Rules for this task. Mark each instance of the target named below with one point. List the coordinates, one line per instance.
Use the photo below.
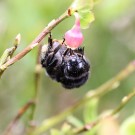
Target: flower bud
(74, 36)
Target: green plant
(72, 125)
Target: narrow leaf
(75, 121)
(90, 110)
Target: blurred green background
(109, 45)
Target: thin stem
(35, 42)
(8, 53)
(123, 103)
(18, 116)
(98, 92)
(85, 128)
(37, 82)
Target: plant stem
(35, 42)
(123, 103)
(18, 116)
(37, 82)
(8, 53)
(98, 92)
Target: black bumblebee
(67, 66)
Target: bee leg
(63, 41)
(71, 51)
(50, 40)
(81, 50)
(57, 49)
(66, 51)
(64, 54)
(53, 54)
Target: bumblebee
(66, 66)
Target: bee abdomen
(74, 83)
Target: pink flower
(74, 36)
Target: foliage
(128, 126)
(109, 46)
(84, 10)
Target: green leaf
(75, 121)
(79, 4)
(90, 114)
(128, 126)
(90, 110)
(84, 8)
(65, 128)
(96, 1)
(6, 55)
(55, 132)
(86, 17)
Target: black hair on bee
(67, 66)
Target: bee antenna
(83, 50)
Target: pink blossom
(74, 36)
